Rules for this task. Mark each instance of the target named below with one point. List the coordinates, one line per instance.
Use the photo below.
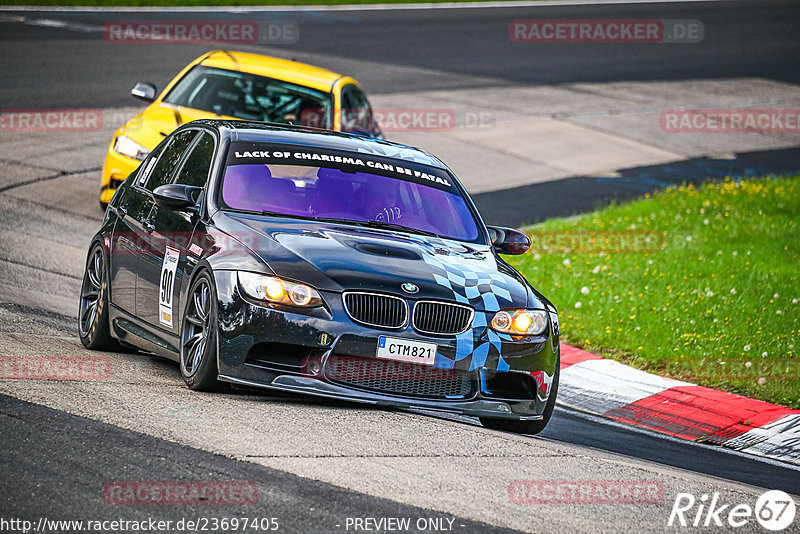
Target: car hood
(338, 257)
(158, 120)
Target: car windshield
(413, 200)
(251, 97)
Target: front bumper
(116, 168)
(271, 347)
(524, 410)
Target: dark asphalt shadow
(570, 196)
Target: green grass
(184, 3)
(713, 298)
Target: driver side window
(146, 169)
(356, 113)
(162, 172)
(197, 165)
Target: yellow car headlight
(278, 290)
(130, 148)
(520, 322)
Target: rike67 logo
(774, 510)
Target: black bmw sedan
(320, 263)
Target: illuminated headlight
(273, 289)
(520, 322)
(128, 147)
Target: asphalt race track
(318, 463)
(94, 449)
(463, 48)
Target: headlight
(520, 322)
(273, 289)
(128, 147)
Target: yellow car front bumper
(116, 169)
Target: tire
(528, 427)
(198, 355)
(103, 206)
(94, 328)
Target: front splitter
(520, 411)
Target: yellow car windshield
(251, 97)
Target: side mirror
(176, 196)
(509, 241)
(144, 91)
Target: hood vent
(388, 251)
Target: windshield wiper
(368, 224)
(274, 213)
(393, 226)
(290, 216)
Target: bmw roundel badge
(409, 288)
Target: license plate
(401, 350)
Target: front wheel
(198, 358)
(528, 427)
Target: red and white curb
(610, 389)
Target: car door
(173, 229)
(163, 248)
(132, 208)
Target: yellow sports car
(237, 85)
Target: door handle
(120, 211)
(148, 226)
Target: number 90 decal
(166, 286)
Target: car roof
(273, 67)
(325, 139)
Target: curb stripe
(696, 412)
(778, 439)
(571, 355)
(693, 412)
(601, 385)
(680, 409)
